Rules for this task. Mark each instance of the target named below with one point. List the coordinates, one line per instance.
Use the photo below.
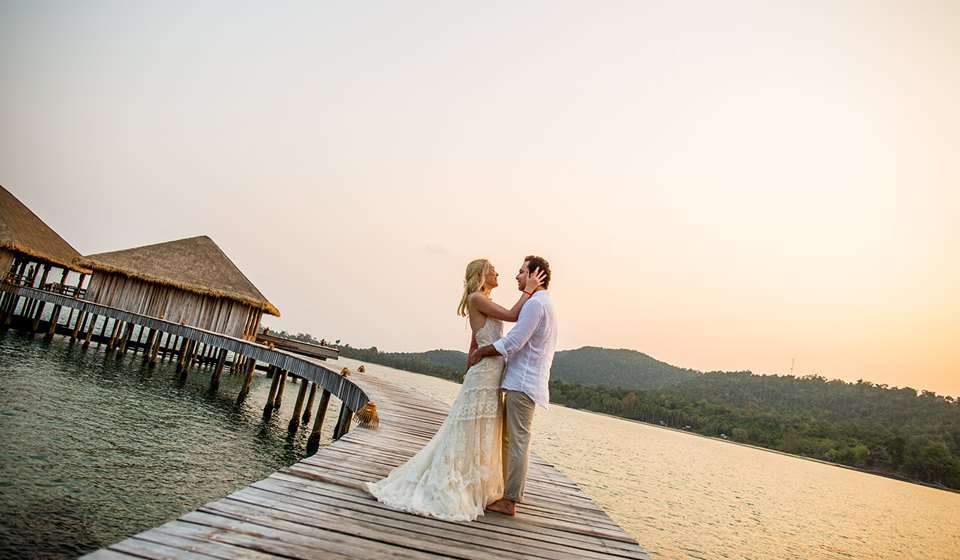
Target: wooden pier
(317, 509)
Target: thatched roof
(195, 264)
(23, 232)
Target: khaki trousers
(517, 420)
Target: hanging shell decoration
(367, 417)
(345, 372)
(361, 369)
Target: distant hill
(893, 431)
(585, 366)
(616, 368)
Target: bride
(460, 470)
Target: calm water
(96, 449)
(685, 496)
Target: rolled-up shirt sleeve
(530, 317)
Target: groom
(528, 351)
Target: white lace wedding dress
(460, 470)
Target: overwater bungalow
(32, 254)
(189, 281)
(27, 244)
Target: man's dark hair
(534, 262)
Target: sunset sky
(722, 185)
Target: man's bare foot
(504, 506)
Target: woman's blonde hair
(473, 280)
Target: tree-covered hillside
(588, 365)
(895, 431)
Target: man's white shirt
(528, 349)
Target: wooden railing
(53, 287)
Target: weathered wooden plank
(282, 536)
(285, 510)
(261, 540)
(170, 535)
(156, 551)
(493, 523)
(451, 532)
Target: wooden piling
(125, 340)
(268, 407)
(78, 326)
(218, 371)
(117, 325)
(148, 345)
(283, 384)
(197, 356)
(73, 325)
(54, 320)
(294, 424)
(13, 300)
(307, 409)
(140, 345)
(93, 323)
(188, 360)
(251, 366)
(170, 347)
(313, 442)
(343, 422)
(152, 355)
(182, 355)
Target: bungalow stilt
(218, 371)
(249, 370)
(268, 407)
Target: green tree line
(896, 431)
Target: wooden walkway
(316, 509)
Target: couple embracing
(478, 458)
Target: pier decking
(316, 509)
